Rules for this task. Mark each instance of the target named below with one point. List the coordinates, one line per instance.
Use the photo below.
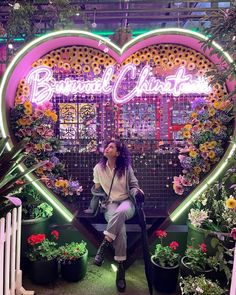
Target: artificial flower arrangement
(204, 136)
(165, 256)
(71, 251)
(42, 248)
(35, 122)
(215, 209)
(200, 285)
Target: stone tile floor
(98, 281)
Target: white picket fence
(10, 243)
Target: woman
(114, 175)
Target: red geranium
(160, 233)
(36, 239)
(174, 245)
(203, 247)
(165, 255)
(55, 234)
(42, 248)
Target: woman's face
(111, 151)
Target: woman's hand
(139, 196)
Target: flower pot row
(166, 279)
(46, 271)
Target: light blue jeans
(116, 214)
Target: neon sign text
(43, 85)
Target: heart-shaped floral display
(158, 94)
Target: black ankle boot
(120, 278)
(99, 258)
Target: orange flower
(231, 202)
(186, 134)
(211, 155)
(194, 115)
(54, 117)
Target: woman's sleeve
(133, 182)
(96, 174)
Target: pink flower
(203, 247)
(181, 158)
(174, 245)
(30, 148)
(178, 188)
(185, 182)
(48, 166)
(233, 233)
(47, 147)
(50, 183)
(160, 234)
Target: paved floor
(98, 281)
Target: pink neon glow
(44, 86)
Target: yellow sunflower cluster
(23, 90)
(78, 59)
(166, 58)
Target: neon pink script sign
(43, 85)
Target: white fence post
(2, 242)
(10, 242)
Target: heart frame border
(38, 47)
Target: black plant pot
(29, 227)
(73, 271)
(165, 279)
(186, 271)
(43, 272)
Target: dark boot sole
(121, 290)
(97, 263)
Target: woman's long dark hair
(123, 160)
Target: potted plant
(196, 262)
(213, 213)
(10, 174)
(42, 254)
(200, 285)
(165, 263)
(35, 217)
(73, 258)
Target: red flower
(55, 233)
(174, 245)
(160, 234)
(233, 233)
(36, 239)
(203, 247)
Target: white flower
(16, 6)
(204, 202)
(199, 290)
(197, 217)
